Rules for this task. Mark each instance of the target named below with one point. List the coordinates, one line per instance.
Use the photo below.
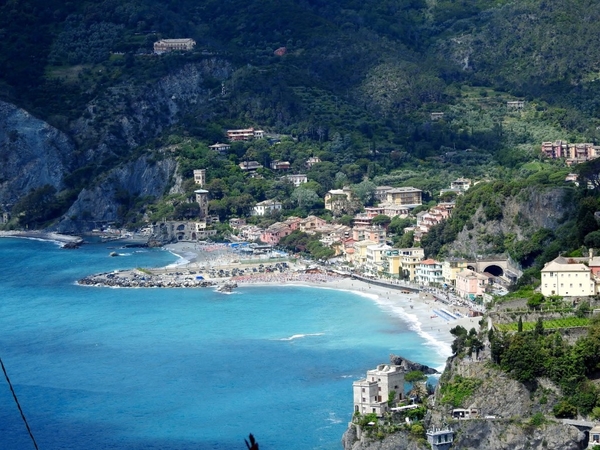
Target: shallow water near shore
(101, 368)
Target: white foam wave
(443, 348)
(299, 336)
(333, 418)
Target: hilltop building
(312, 161)
(296, 180)
(171, 45)
(280, 165)
(221, 148)
(371, 394)
(266, 207)
(517, 104)
(250, 166)
(245, 134)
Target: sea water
(100, 368)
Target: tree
(520, 325)
(304, 198)
(539, 327)
(364, 191)
(535, 301)
(381, 220)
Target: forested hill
(388, 59)
(354, 82)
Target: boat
(114, 254)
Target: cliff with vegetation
(352, 83)
(523, 384)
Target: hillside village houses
(364, 246)
(573, 153)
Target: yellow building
(451, 268)
(404, 196)
(359, 257)
(409, 260)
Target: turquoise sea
(99, 368)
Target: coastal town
(295, 223)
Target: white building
(429, 272)
(568, 278)
(296, 180)
(266, 207)
(171, 45)
(371, 394)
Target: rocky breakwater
(142, 279)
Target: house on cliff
(371, 394)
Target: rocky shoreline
(143, 279)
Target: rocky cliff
(127, 115)
(504, 415)
(108, 200)
(521, 216)
(32, 154)
(114, 124)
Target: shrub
(564, 410)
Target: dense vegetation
(355, 87)
(529, 354)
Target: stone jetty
(139, 278)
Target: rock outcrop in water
(410, 366)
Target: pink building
(470, 284)
(275, 233)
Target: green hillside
(356, 86)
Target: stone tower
(202, 200)
(200, 177)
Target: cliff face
(127, 115)
(109, 200)
(508, 406)
(522, 215)
(32, 154)
(124, 117)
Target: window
(379, 389)
(363, 389)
